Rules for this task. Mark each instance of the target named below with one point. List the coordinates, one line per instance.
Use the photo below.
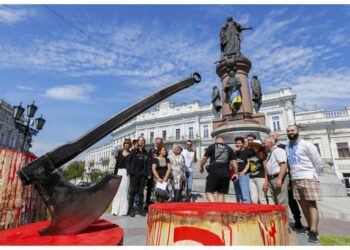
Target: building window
(343, 150)
(177, 133)
(346, 179)
(318, 147)
(276, 123)
(151, 136)
(164, 135)
(205, 131)
(190, 132)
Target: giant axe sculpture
(74, 208)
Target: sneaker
(142, 212)
(300, 231)
(298, 226)
(313, 237)
(131, 214)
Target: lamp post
(26, 129)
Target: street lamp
(26, 130)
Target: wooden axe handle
(68, 151)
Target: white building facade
(278, 107)
(174, 124)
(329, 131)
(100, 157)
(9, 136)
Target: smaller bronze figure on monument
(216, 101)
(256, 92)
(230, 39)
(233, 91)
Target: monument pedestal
(244, 121)
(330, 184)
(229, 132)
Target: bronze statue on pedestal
(256, 92)
(233, 91)
(230, 39)
(216, 101)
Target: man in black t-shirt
(222, 159)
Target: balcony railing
(336, 113)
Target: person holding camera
(222, 159)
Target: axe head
(72, 208)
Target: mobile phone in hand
(234, 178)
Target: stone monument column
(290, 113)
(243, 68)
(245, 114)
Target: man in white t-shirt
(190, 157)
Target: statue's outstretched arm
(245, 28)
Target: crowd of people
(167, 175)
(288, 172)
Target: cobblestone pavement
(334, 220)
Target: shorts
(306, 189)
(217, 184)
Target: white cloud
(11, 15)
(277, 59)
(149, 57)
(324, 89)
(142, 55)
(277, 12)
(340, 37)
(24, 88)
(71, 92)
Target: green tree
(74, 170)
(97, 175)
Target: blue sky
(78, 82)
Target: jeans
(137, 186)
(177, 195)
(242, 189)
(189, 177)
